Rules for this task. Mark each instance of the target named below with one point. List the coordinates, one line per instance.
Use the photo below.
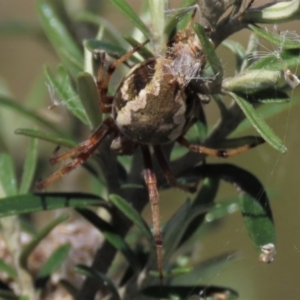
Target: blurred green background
(21, 65)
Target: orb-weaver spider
(153, 105)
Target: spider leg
(66, 169)
(102, 82)
(105, 101)
(94, 139)
(81, 153)
(218, 152)
(168, 172)
(150, 180)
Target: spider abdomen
(150, 106)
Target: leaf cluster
(117, 187)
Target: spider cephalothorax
(153, 105)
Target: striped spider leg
(86, 149)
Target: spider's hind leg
(81, 153)
(151, 183)
(218, 152)
(105, 101)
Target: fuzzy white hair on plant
(290, 78)
(180, 12)
(184, 67)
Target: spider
(153, 105)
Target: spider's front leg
(79, 154)
(150, 180)
(218, 152)
(105, 101)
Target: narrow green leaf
(61, 86)
(27, 250)
(142, 257)
(46, 137)
(144, 52)
(18, 28)
(69, 60)
(238, 50)
(203, 201)
(111, 235)
(199, 131)
(221, 105)
(254, 202)
(29, 167)
(88, 17)
(284, 41)
(90, 272)
(129, 13)
(36, 96)
(207, 269)
(178, 151)
(175, 19)
(132, 215)
(207, 193)
(270, 101)
(111, 49)
(54, 262)
(8, 295)
(269, 96)
(68, 286)
(271, 62)
(4, 88)
(7, 269)
(29, 203)
(24, 298)
(222, 209)
(57, 141)
(266, 111)
(187, 291)
(89, 98)
(189, 217)
(181, 271)
(209, 50)
(259, 124)
(252, 48)
(131, 186)
(27, 226)
(251, 81)
(172, 227)
(257, 221)
(59, 37)
(15, 106)
(274, 12)
(7, 175)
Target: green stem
(157, 12)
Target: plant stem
(157, 12)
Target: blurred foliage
(118, 194)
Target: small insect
(153, 106)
